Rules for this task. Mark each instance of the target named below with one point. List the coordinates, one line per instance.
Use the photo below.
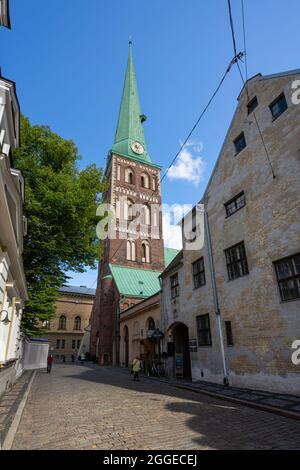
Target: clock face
(137, 148)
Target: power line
(244, 37)
(245, 84)
(232, 27)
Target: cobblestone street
(91, 407)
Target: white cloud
(189, 165)
(172, 233)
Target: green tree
(60, 204)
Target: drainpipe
(215, 296)
(117, 336)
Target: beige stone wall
(263, 326)
(71, 306)
(136, 320)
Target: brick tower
(131, 262)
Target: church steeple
(130, 139)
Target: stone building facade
(138, 325)
(240, 301)
(73, 312)
(134, 254)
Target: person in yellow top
(136, 368)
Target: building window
(62, 322)
(46, 324)
(240, 143)
(288, 277)
(130, 251)
(236, 260)
(252, 105)
(235, 204)
(129, 210)
(73, 343)
(145, 252)
(63, 343)
(145, 215)
(145, 181)
(174, 286)
(203, 330)
(278, 106)
(151, 324)
(58, 344)
(199, 273)
(78, 343)
(154, 183)
(129, 176)
(77, 323)
(229, 335)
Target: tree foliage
(60, 205)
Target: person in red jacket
(49, 363)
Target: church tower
(134, 257)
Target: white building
(13, 291)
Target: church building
(132, 260)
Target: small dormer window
(278, 106)
(252, 105)
(240, 143)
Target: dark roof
(77, 290)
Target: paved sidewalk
(285, 404)
(9, 403)
(92, 407)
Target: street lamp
(5, 320)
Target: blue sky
(68, 58)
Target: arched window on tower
(155, 216)
(129, 176)
(130, 210)
(130, 250)
(145, 215)
(77, 323)
(154, 183)
(145, 252)
(118, 175)
(62, 322)
(144, 180)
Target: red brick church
(130, 265)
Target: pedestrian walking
(49, 363)
(82, 358)
(136, 368)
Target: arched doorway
(179, 333)
(126, 345)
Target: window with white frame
(131, 250)
(145, 252)
(129, 176)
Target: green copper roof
(135, 282)
(170, 254)
(130, 127)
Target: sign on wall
(193, 345)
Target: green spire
(130, 128)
